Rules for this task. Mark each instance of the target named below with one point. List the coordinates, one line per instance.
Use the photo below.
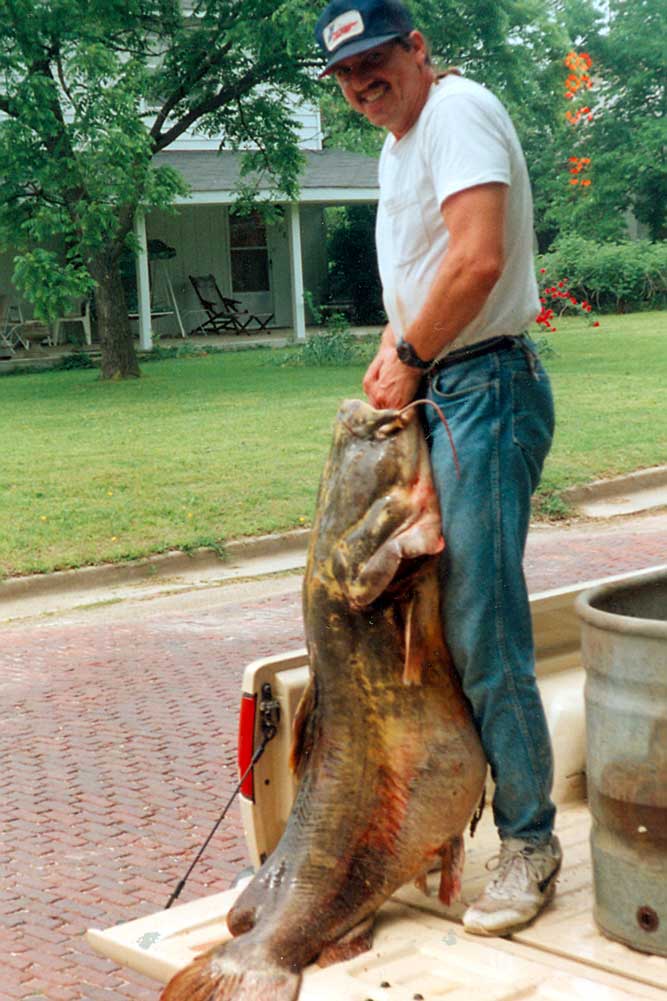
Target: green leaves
(50, 284)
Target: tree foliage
(628, 136)
(90, 90)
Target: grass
(200, 450)
(611, 404)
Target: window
(250, 258)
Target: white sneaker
(524, 883)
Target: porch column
(296, 272)
(143, 284)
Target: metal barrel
(624, 650)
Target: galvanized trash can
(624, 649)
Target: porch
(267, 265)
(44, 355)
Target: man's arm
(471, 267)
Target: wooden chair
(224, 314)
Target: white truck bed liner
(421, 949)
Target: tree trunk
(119, 359)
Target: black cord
(269, 733)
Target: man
(454, 244)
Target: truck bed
(420, 947)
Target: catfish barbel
(389, 763)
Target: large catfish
(389, 762)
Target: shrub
(77, 359)
(335, 345)
(614, 277)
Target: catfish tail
(225, 974)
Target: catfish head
(377, 505)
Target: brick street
(117, 752)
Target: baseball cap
(348, 27)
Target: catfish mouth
(363, 421)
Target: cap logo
(342, 28)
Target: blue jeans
(500, 411)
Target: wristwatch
(409, 356)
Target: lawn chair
(79, 314)
(10, 327)
(223, 313)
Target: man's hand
(388, 383)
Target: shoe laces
(516, 867)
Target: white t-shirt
(462, 138)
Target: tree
(626, 137)
(91, 90)
(629, 138)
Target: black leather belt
(475, 351)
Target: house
(266, 267)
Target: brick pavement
(117, 748)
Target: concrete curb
(152, 567)
(643, 479)
(237, 551)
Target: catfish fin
(365, 561)
(304, 729)
(357, 940)
(424, 642)
(219, 976)
(453, 857)
(414, 654)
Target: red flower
(597, 323)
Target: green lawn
(610, 386)
(201, 450)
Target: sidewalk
(118, 741)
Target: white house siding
(313, 246)
(200, 237)
(306, 117)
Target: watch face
(409, 356)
